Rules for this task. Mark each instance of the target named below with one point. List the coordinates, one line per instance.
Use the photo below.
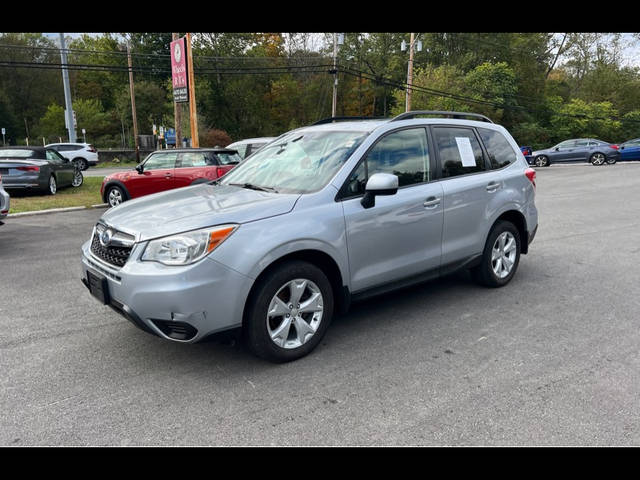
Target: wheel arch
(320, 259)
(112, 183)
(518, 219)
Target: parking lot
(550, 359)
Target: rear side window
(198, 159)
(499, 149)
(460, 151)
(241, 149)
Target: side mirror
(140, 168)
(557, 149)
(379, 184)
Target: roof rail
(411, 114)
(344, 119)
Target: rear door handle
(492, 187)
(431, 202)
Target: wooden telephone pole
(133, 105)
(195, 143)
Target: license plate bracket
(98, 286)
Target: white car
(84, 154)
(250, 145)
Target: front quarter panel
(315, 223)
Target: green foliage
(543, 87)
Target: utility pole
(409, 75)
(67, 90)
(195, 143)
(177, 111)
(335, 75)
(133, 104)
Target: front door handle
(431, 202)
(492, 187)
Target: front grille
(116, 256)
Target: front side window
(404, 153)
(299, 162)
(159, 161)
(459, 150)
(499, 149)
(54, 156)
(566, 144)
(582, 143)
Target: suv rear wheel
(500, 257)
(289, 312)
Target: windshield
(299, 162)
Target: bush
(214, 138)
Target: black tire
(484, 273)
(82, 163)
(78, 179)
(256, 324)
(112, 198)
(611, 161)
(52, 188)
(541, 161)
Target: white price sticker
(466, 152)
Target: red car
(168, 169)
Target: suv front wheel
(500, 257)
(289, 312)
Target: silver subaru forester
(322, 216)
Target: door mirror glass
(140, 168)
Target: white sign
(3, 132)
(466, 152)
(84, 131)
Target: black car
(37, 168)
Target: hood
(199, 206)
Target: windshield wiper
(254, 187)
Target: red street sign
(179, 70)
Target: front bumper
(183, 304)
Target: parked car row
(596, 152)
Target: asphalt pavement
(550, 359)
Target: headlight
(186, 248)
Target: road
(550, 359)
(103, 172)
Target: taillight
(615, 147)
(29, 169)
(91, 149)
(531, 175)
(220, 171)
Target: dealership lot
(550, 359)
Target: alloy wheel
(295, 313)
(598, 158)
(53, 187)
(115, 197)
(503, 255)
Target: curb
(55, 210)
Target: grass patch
(84, 196)
(126, 164)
